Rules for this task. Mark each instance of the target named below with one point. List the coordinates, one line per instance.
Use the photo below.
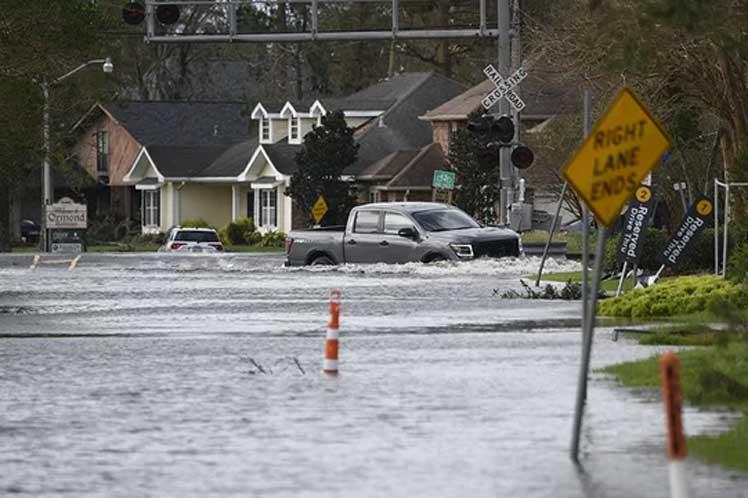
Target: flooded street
(195, 376)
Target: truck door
(397, 249)
(362, 245)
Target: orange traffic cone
(330, 365)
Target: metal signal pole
(506, 169)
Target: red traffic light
(133, 13)
(167, 14)
(522, 157)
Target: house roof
(184, 161)
(544, 98)
(233, 160)
(400, 128)
(388, 166)
(419, 172)
(179, 122)
(283, 156)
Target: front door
(397, 249)
(362, 244)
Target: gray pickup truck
(400, 233)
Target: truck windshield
(441, 220)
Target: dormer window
(294, 130)
(264, 130)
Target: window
(268, 208)
(151, 208)
(393, 222)
(264, 130)
(375, 196)
(102, 152)
(442, 220)
(367, 222)
(197, 236)
(294, 125)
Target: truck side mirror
(408, 233)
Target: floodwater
(198, 376)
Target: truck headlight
(462, 250)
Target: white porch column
(235, 202)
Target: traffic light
(522, 157)
(492, 134)
(167, 14)
(133, 13)
(502, 130)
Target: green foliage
(196, 223)
(709, 376)
(569, 292)
(237, 232)
(678, 296)
(273, 239)
(478, 181)
(327, 151)
(652, 244)
(737, 264)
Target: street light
(47, 193)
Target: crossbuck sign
(504, 88)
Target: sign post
(605, 171)
(65, 222)
(638, 216)
(690, 229)
(443, 181)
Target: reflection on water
(151, 386)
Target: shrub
(253, 238)
(100, 229)
(737, 264)
(652, 244)
(236, 232)
(273, 239)
(196, 223)
(679, 296)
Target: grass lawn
(573, 239)
(712, 376)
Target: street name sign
(320, 209)
(66, 214)
(444, 179)
(623, 147)
(504, 88)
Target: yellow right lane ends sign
(625, 145)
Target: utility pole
(46, 173)
(507, 171)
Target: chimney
(215, 130)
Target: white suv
(192, 240)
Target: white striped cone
(330, 364)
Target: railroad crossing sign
(625, 145)
(444, 179)
(320, 209)
(504, 88)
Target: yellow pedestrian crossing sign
(319, 210)
(625, 145)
